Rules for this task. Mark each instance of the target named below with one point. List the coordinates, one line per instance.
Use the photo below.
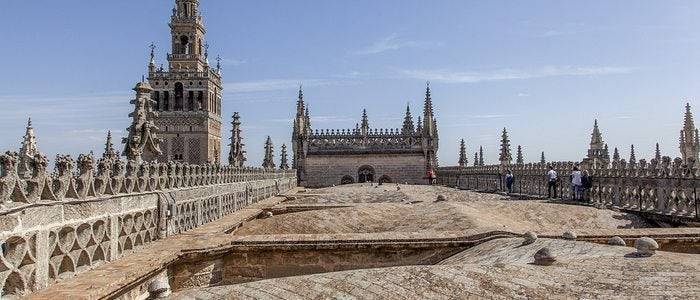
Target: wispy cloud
(233, 61)
(523, 95)
(269, 85)
(509, 74)
(393, 42)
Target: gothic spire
(429, 124)
(689, 139)
(616, 155)
(236, 156)
(505, 155)
(408, 126)
(142, 140)
(596, 137)
(519, 156)
(364, 127)
(110, 153)
(633, 157)
(283, 161)
(542, 160)
(419, 127)
(481, 155)
(27, 151)
(657, 153)
(152, 62)
(463, 154)
(476, 159)
(268, 161)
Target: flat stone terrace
(498, 269)
(364, 217)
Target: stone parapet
(666, 187)
(55, 226)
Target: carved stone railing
(667, 188)
(53, 226)
(342, 141)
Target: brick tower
(188, 95)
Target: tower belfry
(188, 94)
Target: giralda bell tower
(188, 94)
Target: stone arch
(347, 179)
(385, 179)
(179, 95)
(365, 174)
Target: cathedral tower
(188, 94)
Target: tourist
(431, 177)
(587, 182)
(509, 181)
(576, 184)
(551, 183)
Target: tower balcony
(189, 56)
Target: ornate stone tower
(188, 94)
(690, 138)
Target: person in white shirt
(576, 183)
(551, 182)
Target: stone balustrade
(661, 187)
(53, 226)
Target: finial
(143, 78)
(29, 122)
(218, 62)
(206, 50)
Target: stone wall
(46, 238)
(664, 188)
(328, 170)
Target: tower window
(179, 95)
(185, 44)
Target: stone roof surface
(499, 269)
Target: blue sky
(543, 69)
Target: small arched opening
(385, 179)
(347, 179)
(179, 95)
(365, 174)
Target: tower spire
(27, 151)
(283, 161)
(476, 159)
(505, 156)
(689, 139)
(519, 156)
(109, 152)
(142, 140)
(236, 157)
(481, 155)
(542, 160)
(365, 123)
(268, 161)
(408, 126)
(463, 154)
(633, 157)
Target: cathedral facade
(326, 157)
(187, 96)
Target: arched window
(156, 98)
(185, 44)
(365, 174)
(179, 95)
(166, 101)
(190, 100)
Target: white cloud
(523, 95)
(393, 42)
(233, 61)
(509, 74)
